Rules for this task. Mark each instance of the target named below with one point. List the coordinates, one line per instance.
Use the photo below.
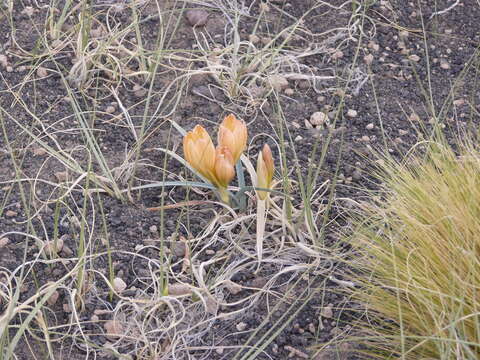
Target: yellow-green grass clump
(419, 268)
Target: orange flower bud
(200, 152)
(224, 170)
(233, 134)
(265, 170)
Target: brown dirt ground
(392, 33)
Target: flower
(224, 170)
(216, 165)
(265, 170)
(200, 152)
(233, 134)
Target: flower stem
(224, 196)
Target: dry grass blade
(421, 249)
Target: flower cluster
(217, 165)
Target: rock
(278, 82)
(9, 69)
(178, 289)
(254, 39)
(4, 242)
(368, 59)
(196, 17)
(42, 72)
(403, 35)
(370, 126)
(352, 113)
(219, 350)
(357, 175)
(67, 251)
(318, 118)
(119, 285)
(414, 57)
(39, 151)
(264, 7)
(50, 249)
(180, 248)
(153, 229)
(373, 45)
(289, 91)
(241, 326)
(52, 300)
(327, 312)
(321, 99)
(139, 91)
(110, 109)
(337, 55)
(113, 329)
(61, 176)
(365, 138)
(10, 213)
(298, 138)
(444, 64)
(3, 61)
(402, 132)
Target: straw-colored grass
(419, 276)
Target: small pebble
(61, 176)
(39, 151)
(196, 17)
(352, 113)
(52, 300)
(4, 242)
(337, 55)
(370, 126)
(139, 91)
(373, 45)
(11, 213)
(119, 285)
(254, 39)
(241, 326)
(357, 175)
(321, 99)
(365, 138)
(318, 118)
(289, 91)
(414, 57)
(327, 312)
(444, 64)
(298, 138)
(50, 249)
(368, 59)
(153, 229)
(278, 82)
(42, 72)
(402, 132)
(110, 109)
(9, 69)
(3, 61)
(178, 289)
(219, 350)
(113, 328)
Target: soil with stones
(376, 77)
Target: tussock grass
(419, 269)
